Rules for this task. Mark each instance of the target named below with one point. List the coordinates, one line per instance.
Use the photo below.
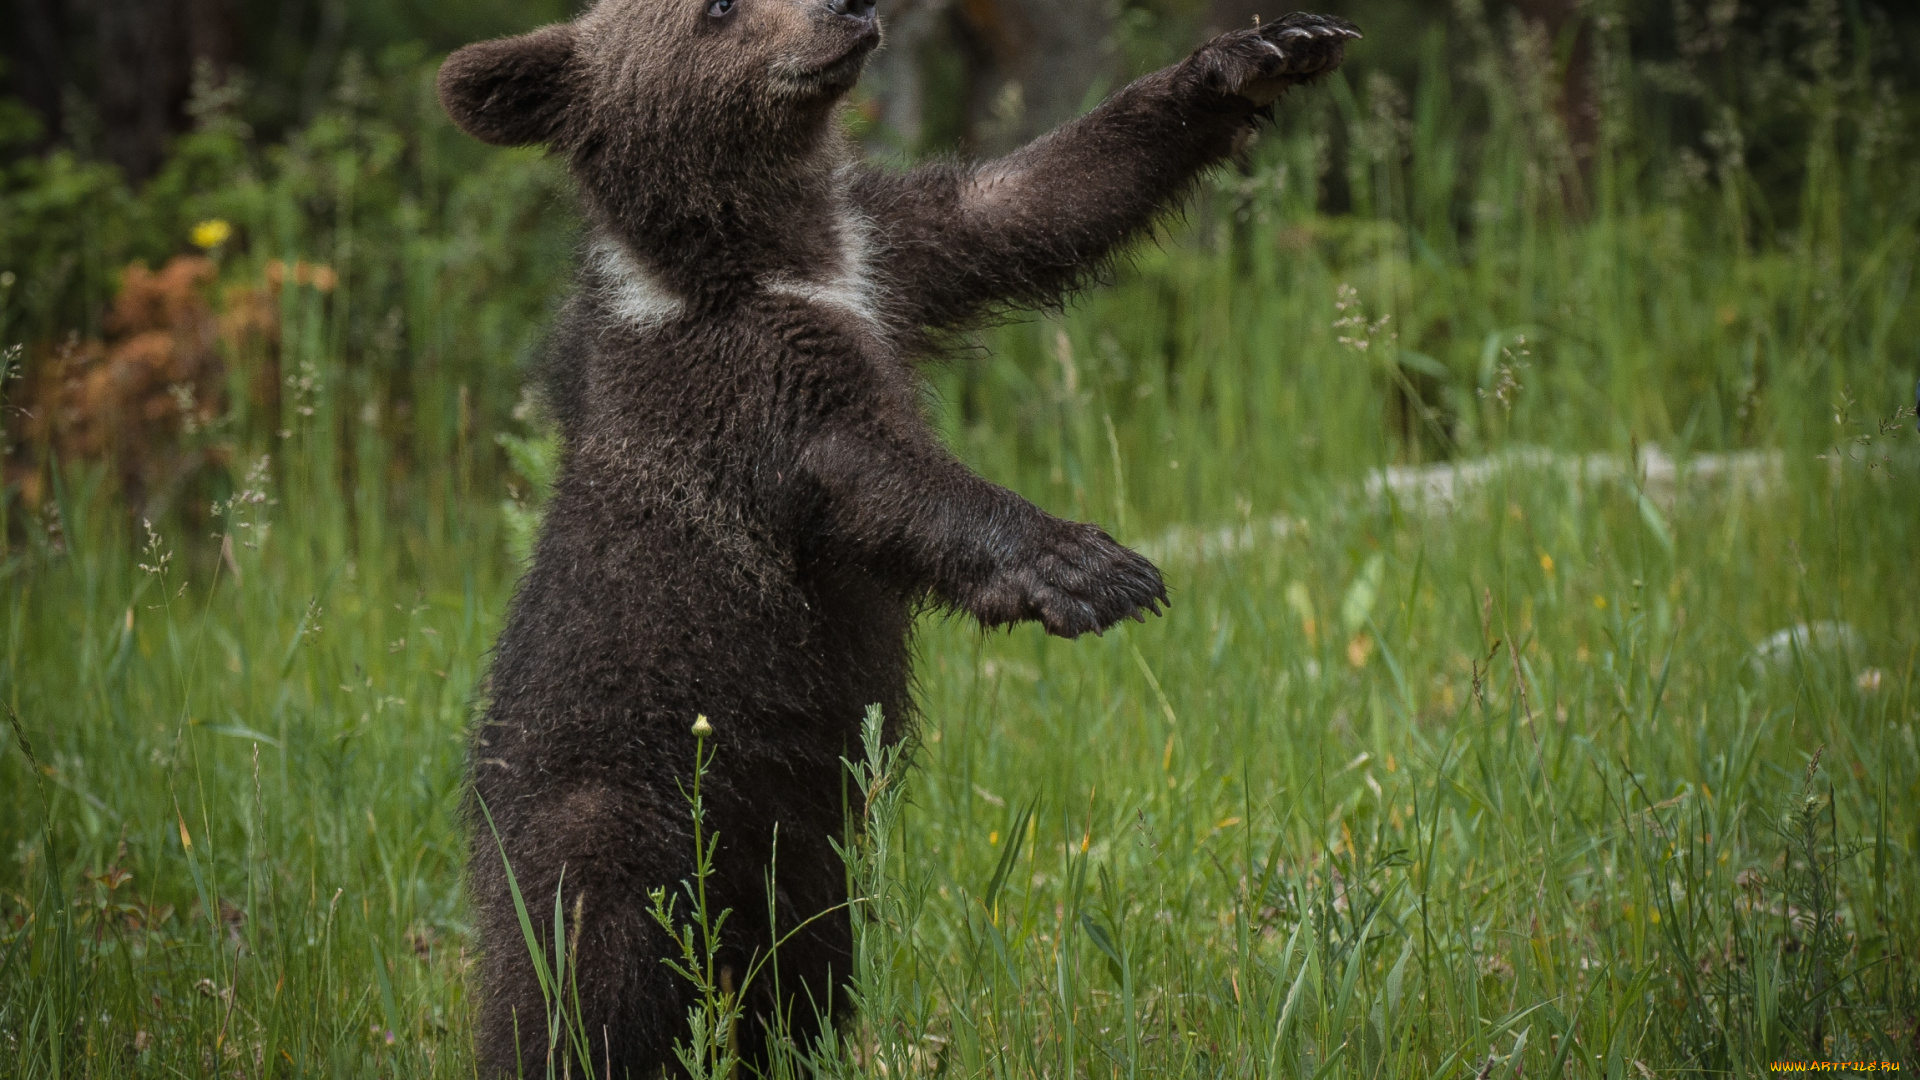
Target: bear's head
(685, 122)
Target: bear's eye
(719, 8)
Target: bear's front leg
(1026, 229)
(901, 506)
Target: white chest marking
(633, 294)
(850, 287)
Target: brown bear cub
(750, 505)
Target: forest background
(1526, 427)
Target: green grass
(1315, 781)
(1494, 790)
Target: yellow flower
(1600, 602)
(1546, 562)
(211, 234)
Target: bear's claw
(1260, 62)
(1073, 581)
(1306, 45)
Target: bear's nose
(855, 9)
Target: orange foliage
(136, 398)
(148, 398)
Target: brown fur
(750, 503)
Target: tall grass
(1500, 787)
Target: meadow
(1529, 757)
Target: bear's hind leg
(621, 1005)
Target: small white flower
(701, 729)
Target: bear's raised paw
(1074, 580)
(1261, 62)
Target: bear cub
(750, 505)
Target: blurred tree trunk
(1567, 29)
(148, 51)
(36, 60)
(897, 76)
(1225, 15)
(1034, 65)
(1029, 65)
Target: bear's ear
(511, 91)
